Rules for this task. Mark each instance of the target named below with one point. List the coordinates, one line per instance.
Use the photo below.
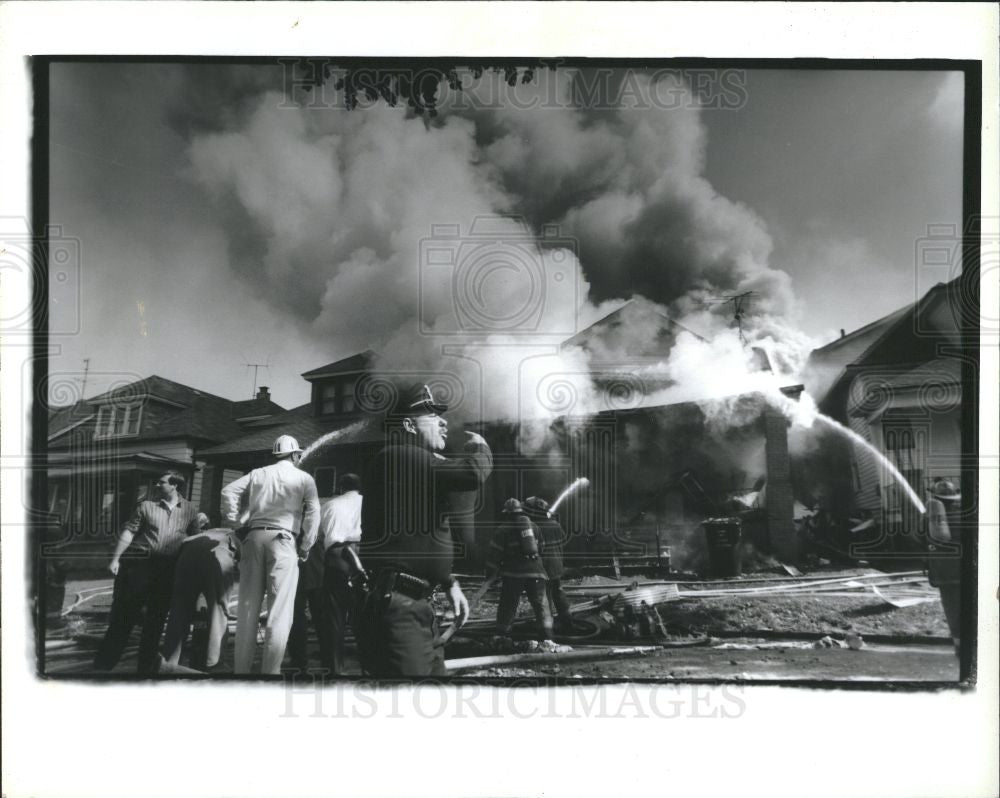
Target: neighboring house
(106, 453)
(337, 404)
(897, 383)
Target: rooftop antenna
(83, 379)
(740, 304)
(256, 367)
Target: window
(118, 420)
(338, 397)
(328, 399)
(347, 401)
(905, 440)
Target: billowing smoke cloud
(474, 244)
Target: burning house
(657, 467)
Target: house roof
(200, 415)
(359, 362)
(63, 419)
(252, 408)
(651, 331)
(303, 425)
(830, 363)
(156, 386)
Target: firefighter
(945, 554)
(516, 556)
(553, 539)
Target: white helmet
(285, 444)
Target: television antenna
(256, 367)
(741, 303)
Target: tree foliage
(417, 85)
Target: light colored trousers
(268, 562)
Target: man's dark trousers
(315, 600)
(401, 636)
(510, 598)
(143, 582)
(339, 602)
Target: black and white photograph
(387, 375)
(402, 370)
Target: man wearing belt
(406, 539)
(340, 526)
(143, 566)
(272, 503)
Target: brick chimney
(263, 395)
(780, 498)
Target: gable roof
(199, 415)
(157, 387)
(359, 362)
(633, 315)
(830, 364)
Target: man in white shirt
(340, 525)
(272, 503)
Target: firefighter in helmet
(553, 539)
(944, 506)
(516, 556)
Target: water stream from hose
(805, 413)
(330, 437)
(576, 484)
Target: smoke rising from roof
(342, 208)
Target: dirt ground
(753, 637)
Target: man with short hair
(143, 565)
(406, 540)
(272, 504)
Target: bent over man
(272, 503)
(206, 566)
(406, 539)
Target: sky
(220, 223)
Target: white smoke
(334, 212)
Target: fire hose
(576, 484)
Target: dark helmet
(417, 400)
(945, 489)
(512, 507)
(536, 506)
